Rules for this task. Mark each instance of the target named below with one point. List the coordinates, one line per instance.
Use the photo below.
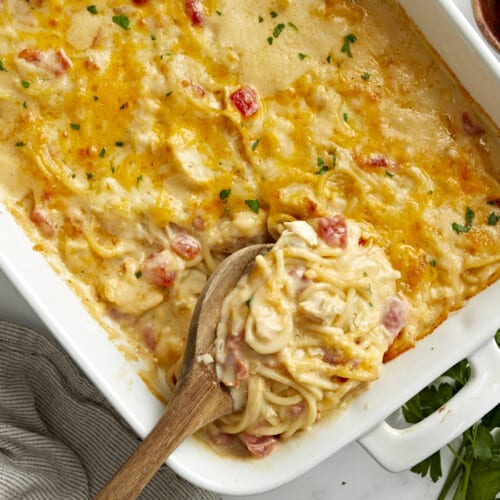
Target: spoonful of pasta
(281, 335)
(199, 397)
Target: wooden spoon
(487, 15)
(199, 398)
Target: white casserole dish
(466, 333)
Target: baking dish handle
(400, 449)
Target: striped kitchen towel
(59, 438)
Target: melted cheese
(121, 144)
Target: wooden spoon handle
(192, 405)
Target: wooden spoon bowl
(487, 15)
(199, 398)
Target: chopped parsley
(433, 262)
(102, 152)
(270, 40)
(153, 37)
(122, 21)
(90, 175)
(138, 180)
(25, 84)
(329, 58)
(261, 19)
(124, 105)
(119, 144)
(96, 98)
(218, 12)
(253, 205)
(75, 126)
(469, 216)
(254, 144)
(224, 195)
(278, 29)
(389, 174)
(320, 162)
(25, 105)
(365, 76)
(138, 274)
(345, 117)
(2, 67)
(92, 9)
(302, 56)
(493, 218)
(273, 14)
(168, 94)
(249, 302)
(20, 144)
(293, 26)
(348, 40)
(334, 157)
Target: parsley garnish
(348, 40)
(96, 98)
(389, 174)
(92, 9)
(138, 180)
(153, 37)
(20, 144)
(25, 84)
(218, 12)
(334, 157)
(168, 94)
(345, 117)
(119, 144)
(469, 216)
(138, 274)
(273, 14)
(261, 19)
(2, 68)
(122, 21)
(322, 170)
(278, 29)
(474, 472)
(253, 205)
(293, 26)
(270, 40)
(302, 56)
(25, 105)
(75, 126)
(320, 162)
(224, 195)
(493, 219)
(249, 302)
(90, 175)
(329, 58)
(433, 262)
(365, 76)
(254, 144)
(102, 153)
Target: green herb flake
(102, 153)
(320, 162)
(273, 14)
(112, 167)
(2, 67)
(469, 216)
(224, 195)
(20, 144)
(334, 157)
(168, 94)
(322, 170)
(75, 126)
(253, 205)
(348, 40)
(90, 175)
(365, 76)
(261, 19)
(458, 228)
(254, 144)
(302, 56)
(138, 180)
(92, 9)
(389, 174)
(138, 274)
(433, 262)
(278, 29)
(25, 105)
(293, 26)
(122, 21)
(96, 98)
(119, 144)
(345, 117)
(25, 84)
(153, 37)
(493, 219)
(218, 12)
(270, 40)
(249, 302)
(124, 105)
(329, 58)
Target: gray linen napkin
(59, 438)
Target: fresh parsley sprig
(475, 471)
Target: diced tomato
(333, 231)
(395, 316)
(156, 271)
(471, 128)
(194, 10)
(30, 55)
(186, 246)
(245, 101)
(42, 221)
(260, 446)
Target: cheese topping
(142, 141)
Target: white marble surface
(351, 474)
